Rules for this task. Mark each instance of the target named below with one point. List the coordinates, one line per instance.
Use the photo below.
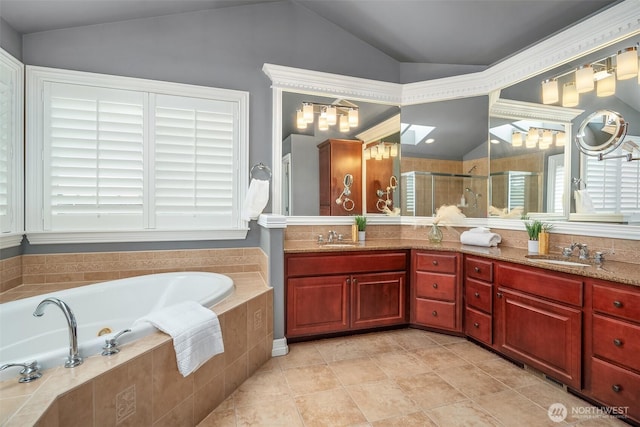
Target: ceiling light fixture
(346, 116)
(600, 74)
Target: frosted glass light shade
(561, 138)
(584, 79)
(307, 111)
(353, 117)
(569, 95)
(394, 150)
(606, 86)
(322, 122)
(627, 63)
(516, 139)
(344, 123)
(532, 138)
(332, 119)
(367, 154)
(550, 91)
(300, 121)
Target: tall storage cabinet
(337, 158)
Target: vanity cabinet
(612, 345)
(478, 299)
(331, 293)
(436, 291)
(538, 320)
(337, 158)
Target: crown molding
(381, 130)
(508, 108)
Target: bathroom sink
(339, 245)
(545, 259)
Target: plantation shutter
(193, 162)
(7, 89)
(93, 158)
(516, 191)
(613, 183)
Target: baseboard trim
(280, 347)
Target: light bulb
(560, 139)
(344, 123)
(569, 95)
(331, 115)
(394, 150)
(627, 63)
(300, 122)
(516, 139)
(550, 91)
(307, 111)
(322, 122)
(353, 117)
(532, 138)
(606, 86)
(584, 79)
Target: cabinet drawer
(436, 262)
(617, 341)
(439, 314)
(478, 295)
(478, 269)
(345, 263)
(538, 282)
(616, 386)
(620, 302)
(435, 286)
(478, 325)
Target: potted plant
(361, 222)
(534, 228)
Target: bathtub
(108, 306)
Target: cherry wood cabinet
(538, 320)
(337, 158)
(332, 293)
(478, 299)
(612, 345)
(436, 290)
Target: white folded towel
(480, 238)
(195, 331)
(256, 199)
(584, 204)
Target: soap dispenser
(463, 201)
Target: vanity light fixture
(538, 137)
(516, 139)
(561, 138)
(600, 74)
(381, 150)
(346, 116)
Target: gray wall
(10, 40)
(221, 48)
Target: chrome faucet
(332, 236)
(583, 251)
(74, 358)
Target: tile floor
(406, 377)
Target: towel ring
(579, 183)
(260, 167)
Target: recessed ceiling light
(429, 141)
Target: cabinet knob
(477, 295)
(617, 388)
(355, 282)
(476, 325)
(435, 286)
(435, 313)
(617, 304)
(348, 281)
(476, 269)
(434, 262)
(499, 294)
(617, 342)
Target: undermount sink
(545, 259)
(339, 245)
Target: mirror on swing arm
(601, 140)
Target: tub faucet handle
(111, 344)
(30, 371)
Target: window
(11, 125)
(612, 184)
(128, 159)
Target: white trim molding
(280, 347)
(381, 130)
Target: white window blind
(612, 184)
(516, 190)
(120, 159)
(6, 148)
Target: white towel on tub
(195, 330)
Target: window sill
(44, 238)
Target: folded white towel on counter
(195, 330)
(480, 238)
(256, 199)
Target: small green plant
(535, 227)
(361, 221)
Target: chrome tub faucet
(74, 358)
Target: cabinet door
(378, 299)
(317, 305)
(540, 333)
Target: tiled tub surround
(141, 385)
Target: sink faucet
(332, 236)
(74, 358)
(583, 252)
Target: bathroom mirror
(601, 132)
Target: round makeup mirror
(601, 132)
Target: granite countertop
(614, 271)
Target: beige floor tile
(471, 381)
(416, 419)
(376, 343)
(399, 364)
(513, 409)
(270, 365)
(329, 408)
(411, 339)
(429, 391)
(380, 400)
(471, 352)
(311, 379)
(263, 386)
(463, 414)
(442, 338)
(600, 421)
(224, 418)
(357, 371)
(341, 349)
(508, 373)
(277, 413)
(300, 354)
(437, 358)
